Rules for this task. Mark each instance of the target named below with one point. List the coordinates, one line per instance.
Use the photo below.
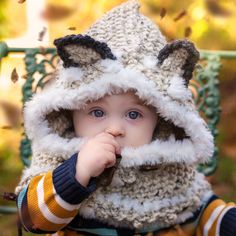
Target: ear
(181, 53)
(81, 50)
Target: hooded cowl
(125, 51)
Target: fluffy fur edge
(198, 149)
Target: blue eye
(134, 115)
(97, 113)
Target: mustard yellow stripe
(37, 218)
(49, 199)
(212, 231)
(68, 233)
(230, 204)
(208, 211)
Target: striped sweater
(50, 204)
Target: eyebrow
(133, 100)
(138, 102)
(142, 103)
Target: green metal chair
(204, 86)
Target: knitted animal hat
(122, 51)
(125, 51)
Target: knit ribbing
(228, 226)
(66, 184)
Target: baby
(116, 138)
(112, 122)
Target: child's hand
(97, 154)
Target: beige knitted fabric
(139, 199)
(125, 51)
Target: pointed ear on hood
(181, 53)
(81, 50)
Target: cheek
(153, 123)
(148, 133)
(138, 136)
(148, 129)
(86, 127)
(80, 124)
(79, 131)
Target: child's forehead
(129, 96)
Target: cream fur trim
(67, 75)
(159, 152)
(199, 147)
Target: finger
(111, 161)
(107, 147)
(108, 138)
(100, 138)
(104, 138)
(104, 134)
(114, 145)
(109, 165)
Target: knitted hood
(122, 51)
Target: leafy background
(208, 23)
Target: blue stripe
(98, 231)
(227, 226)
(21, 197)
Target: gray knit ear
(81, 50)
(181, 53)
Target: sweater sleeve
(51, 200)
(218, 219)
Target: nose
(115, 131)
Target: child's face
(123, 115)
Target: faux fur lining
(199, 147)
(159, 152)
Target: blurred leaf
(187, 32)
(9, 196)
(215, 8)
(153, 7)
(6, 127)
(21, 1)
(53, 12)
(12, 112)
(42, 34)
(72, 28)
(180, 15)
(163, 13)
(14, 76)
(24, 76)
(42, 50)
